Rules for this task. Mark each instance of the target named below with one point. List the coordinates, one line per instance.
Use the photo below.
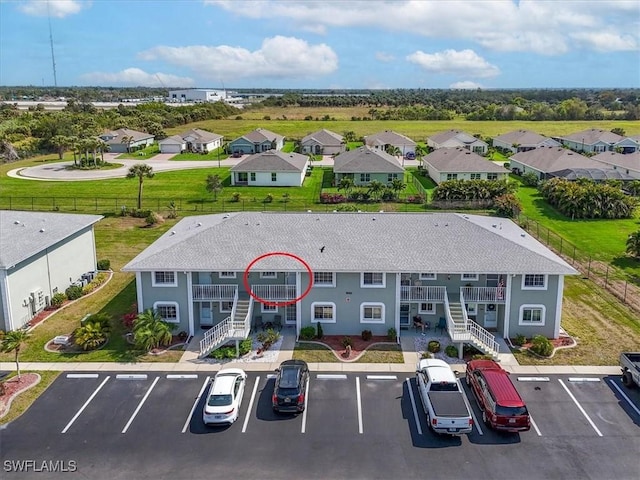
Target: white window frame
(274, 176)
(428, 276)
(222, 275)
(155, 283)
(224, 310)
(427, 311)
(365, 177)
(252, 176)
(475, 176)
(374, 285)
(158, 304)
(364, 305)
(268, 274)
(534, 287)
(543, 315)
(325, 284)
(492, 176)
(323, 320)
(452, 176)
(466, 278)
(264, 308)
(472, 308)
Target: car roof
(504, 391)
(223, 384)
(484, 365)
(292, 363)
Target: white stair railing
(481, 335)
(215, 336)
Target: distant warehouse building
(200, 95)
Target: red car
(502, 407)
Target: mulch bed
(556, 342)
(334, 342)
(13, 387)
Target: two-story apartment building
(351, 272)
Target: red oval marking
(245, 279)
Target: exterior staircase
(234, 327)
(462, 329)
(242, 308)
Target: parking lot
(356, 425)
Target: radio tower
(53, 58)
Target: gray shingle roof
(172, 140)
(592, 174)
(260, 135)
(202, 135)
(592, 136)
(354, 242)
(628, 160)
(24, 234)
(324, 137)
(126, 132)
(366, 160)
(272, 161)
(552, 159)
(461, 160)
(462, 137)
(388, 137)
(524, 138)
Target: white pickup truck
(630, 364)
(442, 398)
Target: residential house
(322, 142)
(594, 174)
(523, 141)
(461, 164)
(384, 140)
(628, 164)
(273, 168)
(630, 144)
(457, 138)
(125, 140)
(41, 254)
(172, 144)
(545, 160)
(256, 141)
(201, 141)
(352, 272)
(365, 164)
(592, 140)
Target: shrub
(347, 208)
(130, 317)
(530, 179)
(235, 197)
(139, 213)
(58, 299)
(332, 198)
(245, 346)
(451, 351)
(346, 341)
(507, 205)
(481, 356)
(541, 346)
(419, 198)
(153, 218)
(307, 333)
(268, 198)
(366, 335)
(433, 346)
(91, 335)
(268, 338)
(182, 336)
(101, 319)
(520, 340)
(319, 332)
(73, 292)
(392, 334)
(104, 264)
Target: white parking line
(144, 399)
(382, 377)
(82, 375)
(306, 407)
(533, 379)
(250, 409)
(624, 395)
(359, 404)
(195, 404)
(584, 379)
(413, 406)
(535, 427)
(85, 405)
(466, 401)
(180, 376)
(331, 376)
(131, 376)
(580, 408)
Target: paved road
(357, 425)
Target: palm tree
(397, 186)
(214, 185)
(393, 150)
(103, 147)
(61, 143)
(126, 139)
(346, 184)
(140, 170)
(12, 342)
(421, 151)
(633, 244)
(375, 189)
(150, 331)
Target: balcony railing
(214, 292)
(483, 294)
(423, 294)
(274, 292)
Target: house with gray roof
(322, 142)
(388, 138)
(591, 140)
(545, 160)
(125, 140)
(201, 141)
(629, 144)
(352, 272)
(523, 141)
(594, 174)
(41, 254)
(273, 168)
(461, 164)
(365, 164)
(457, 138)
(172, 144)
(628, 164)
(256, 141)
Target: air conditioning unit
(37, 297)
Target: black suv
(290, 388)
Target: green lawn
(217, 154)
(146, 152)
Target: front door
(290, 314)
(490, 316)
(206, 314)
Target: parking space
(333, 405)
(385, 404)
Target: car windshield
(510, 411)
(444, 387)
(219, 400)
(289, 378)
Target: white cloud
(465, 85)
(55, 8)
(137, 78)
(384, 57)
(278, 57)
(606, 41)
(463, 63)
(539, 26)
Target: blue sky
(322, 44)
